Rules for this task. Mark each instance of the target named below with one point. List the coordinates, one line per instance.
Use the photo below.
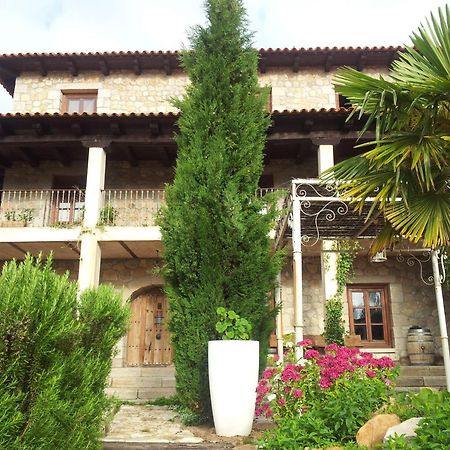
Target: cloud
(106, 25)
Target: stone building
(84, 159)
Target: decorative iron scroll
(313, 196)
(412, 259)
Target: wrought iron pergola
(314, 212)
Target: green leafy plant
(11, 215)
(108, 215)
(55, 356)
(231, 326)
(405, 171)
(433, 431)
(25, 215)
(337, 392)
(334, 329)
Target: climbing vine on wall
(334, 324)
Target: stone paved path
(139, 427)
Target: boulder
(372, 432)
(406, 428)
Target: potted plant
(233, 375)
(108, 215)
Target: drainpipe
(441, 314)
(297, 269)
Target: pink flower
(331, 347)
(305, 343)
(287, 389)
(297, 393)
(371, 373)
(325, 383)
(387, 382)
(268, 373)
(276, 357)
(281, 401)
(312, 354)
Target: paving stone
(148, 424)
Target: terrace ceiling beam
(299, 155)
(155, 129)
(128, 249)
(5, 162)
(63, 157)
(262, 65)
(328, 63)
(38, 129)
(18, 248)
(137, 68)
(76, 129)
(7, 73)
(3, 131)
(164, 156)
(41, 68)
(104, 67)
(116, 129)
(167, 67)
(29, 157)
(72, 67)
(366, 225)
(72, 247)
(361, 62)
(131, 157)
(296, 64)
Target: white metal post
(297, 269)
(279, 322)
(441, 314)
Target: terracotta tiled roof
(12, 65)
(286, 112)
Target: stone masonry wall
(125, 92)
(411, 301)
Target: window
(342, 101)
(79, 102)
(369, 314)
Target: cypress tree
(217, 249)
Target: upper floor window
(79, 102)
(342, 101)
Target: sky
(108, 25)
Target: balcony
(64, 208)
(41, 208)
(131, 207)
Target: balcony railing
(41, 207)
(131, 207)
(65, 207)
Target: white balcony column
(328, 260)
(95, 182)
(90, 252)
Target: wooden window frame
(386, 313)
(78, 95)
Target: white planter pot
(233, 378)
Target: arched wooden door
(148, 340)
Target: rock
(406, 428)
(373, 431)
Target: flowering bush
(342, 388)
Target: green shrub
(433, 431)
(53, 365)
(217, 249)
(324, 398)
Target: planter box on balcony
(12, 224)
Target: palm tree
(406, 170)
